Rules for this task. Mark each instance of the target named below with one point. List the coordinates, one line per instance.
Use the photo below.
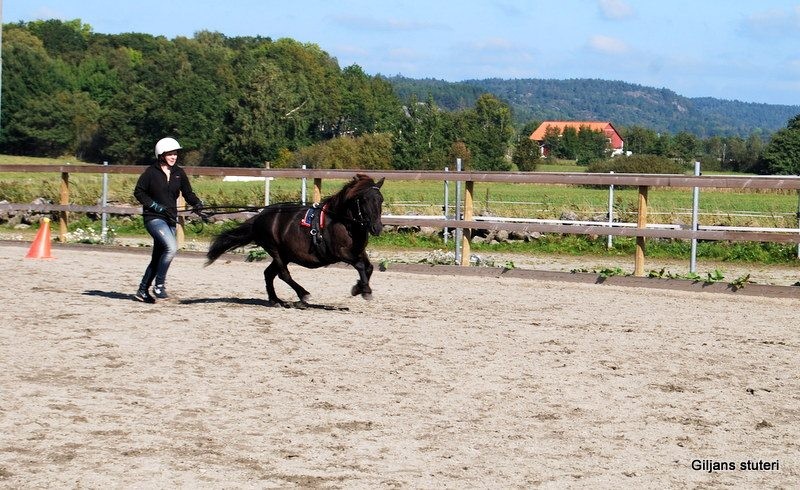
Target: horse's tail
(230, 239)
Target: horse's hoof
(275, 302)
(305, 299)
(355, 291)
(367, 296)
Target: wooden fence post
(317, 189)
(180, 232)
(467, 232)
(641, 222)
(64, 200)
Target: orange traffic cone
(40, 248)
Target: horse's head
(367, 203)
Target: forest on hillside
(249, 101)
(624, 104)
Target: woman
(157, 190)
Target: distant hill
(622, 103)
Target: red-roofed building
(606, 127)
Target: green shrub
(368, 152)
(637, 164)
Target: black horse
(335, 231)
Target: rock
(407, 229)
(429, 231)
(13, 220)
(569, 216)
(41, 200)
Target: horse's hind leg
(269, 279)
(283, 273)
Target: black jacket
(152, 186)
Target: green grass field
(717, 207)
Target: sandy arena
(438, 382)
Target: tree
(261, 122)
(685, 146)
(459, 150)
(28, 74)
(663, 145)
(98, 79)
(487, 132)
(640, 140)
(368, 104)
(121, 138)
(782, 153)
(67, 40)
(754, 149)
(568, 144)
(316, 78)
(423, 137)
(794, 123)
(526, 154)
(551, 141)
(59, 124)
(592, 146)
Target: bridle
(361, 220)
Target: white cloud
(794, 65)
(44, 13)
(351, 50)
(510, 9)
(497, 50)
(607, 45)
(494, 44)
(615, 9)
(388, 24)
(403, 54)
(775, 23)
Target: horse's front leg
(364, 268)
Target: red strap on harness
(308, 218)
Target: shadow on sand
(227, 300)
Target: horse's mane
(357, 186)
(354, 188)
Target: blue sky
(729, 49)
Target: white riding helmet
(166, 144)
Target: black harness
(315, 220)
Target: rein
(209, 211)
(359, 220)
(215, 210)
